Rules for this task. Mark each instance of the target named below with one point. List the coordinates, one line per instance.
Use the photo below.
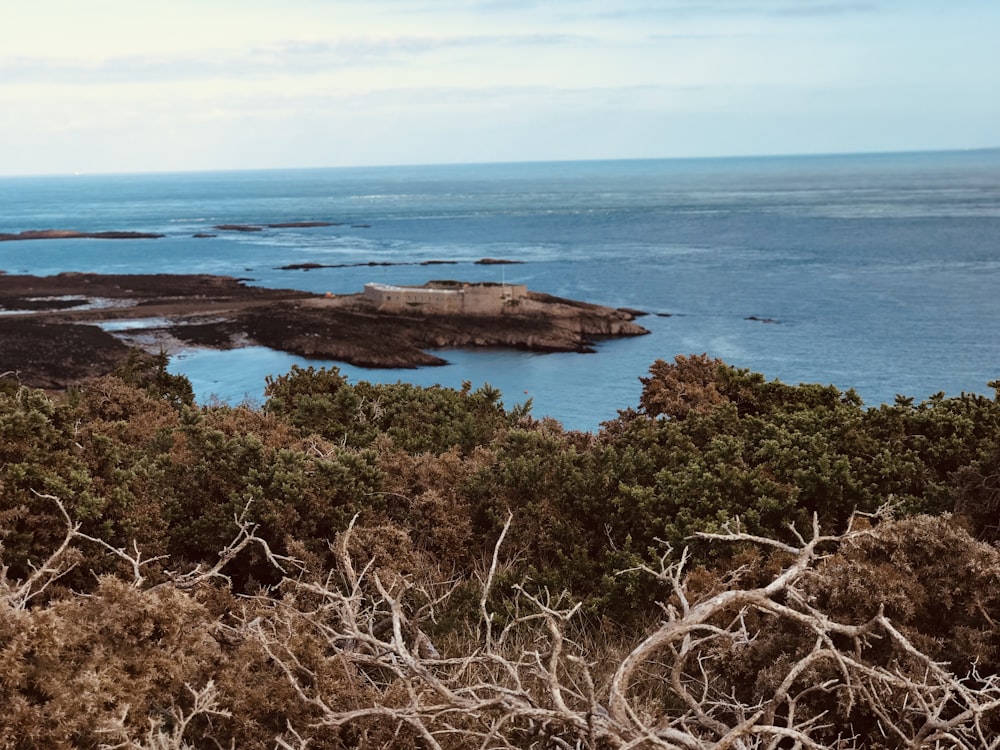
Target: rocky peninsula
(59, 330)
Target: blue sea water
(881, 272)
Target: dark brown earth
(50, 337)
(52, 356)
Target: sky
(141, 86)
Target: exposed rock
(239, 228)
(497, 262)
(221, 312)
(302, 266)
(134, 289)
(50, 355)
(72, 234)
(302, 224)
(311, 265)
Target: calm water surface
(881, 272)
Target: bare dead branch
(166, 734)
(55, 566)
(246, 535)
(488, 583)
(527, 682)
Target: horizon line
(515, 162)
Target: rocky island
(72, 234)
(58, 330)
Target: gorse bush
(134, 459)
(176, 575)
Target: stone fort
(447, 296)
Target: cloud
(296, 57)
(698, 37)
(623, 10)
(636, 7)
(739, 8)
(823, 9)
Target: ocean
(874, 272)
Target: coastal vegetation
(734, 563)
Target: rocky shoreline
(56, 331)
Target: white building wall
(471, 298)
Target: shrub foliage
(736, 562)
